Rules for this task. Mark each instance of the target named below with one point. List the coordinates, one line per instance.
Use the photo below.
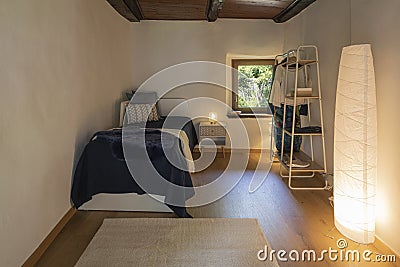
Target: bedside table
(214, 131)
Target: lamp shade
(212, 116)
(355, 145)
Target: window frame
(243, 62)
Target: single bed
(102, 180)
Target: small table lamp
(212, 116)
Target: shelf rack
(294, 64)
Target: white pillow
(141, 113)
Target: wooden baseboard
(251, 150)
(229, 150)
(34, 258)
(390, 247)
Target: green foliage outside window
(254, 83)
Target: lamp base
(356, 235)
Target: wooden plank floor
(290, 219)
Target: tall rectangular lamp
(355, 145)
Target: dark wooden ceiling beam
(292, 10)
(213, 8)
(174, 9)
(129, 9)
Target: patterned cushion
(141, 113)
(154, 116)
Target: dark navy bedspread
(102, 167)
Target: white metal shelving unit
(296, 60)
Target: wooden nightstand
(214, 131)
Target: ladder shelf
(297, 163)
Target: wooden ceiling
(253, 9)
(173, 9)
(211, 10)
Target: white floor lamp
(355, 145)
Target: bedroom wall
(378, 24)
(166, 43)
(63, 66)
(334, 24)
(326, 25)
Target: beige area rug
(176, 242)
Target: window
(251, 84)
